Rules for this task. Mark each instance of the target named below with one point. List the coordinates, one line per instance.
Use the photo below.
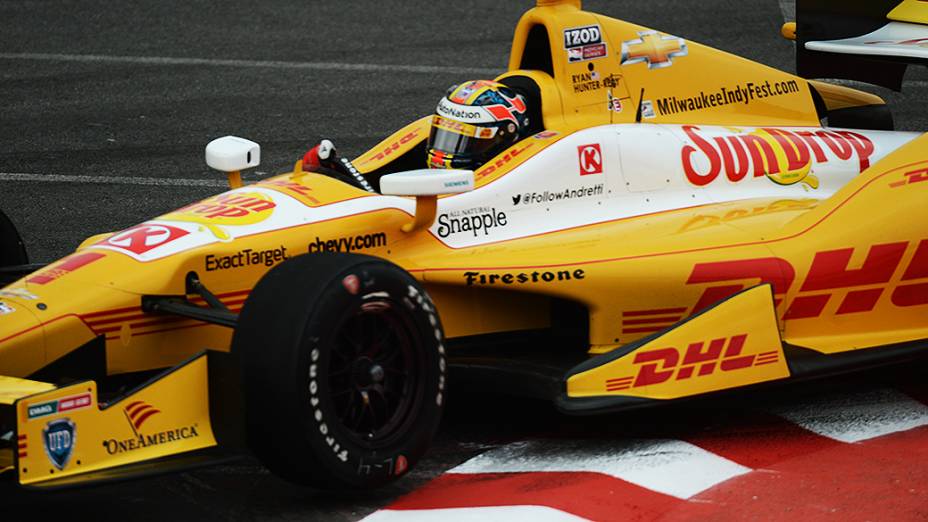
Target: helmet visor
(458, 138)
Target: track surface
(128, 93)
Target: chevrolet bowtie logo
(656, 49)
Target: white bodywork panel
(900, 39)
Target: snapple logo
(476, 222)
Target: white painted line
(115, 180)
(672, 467)
(263, 64)
(858, 417)
(788, 8)
(475, 514)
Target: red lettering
(715, 164)
(742, 170)
(829, 269)
(813, 145)
(763, 165)
(774, 270)
(649, 373)
(797, 154)
(862, 145)
(836, 143)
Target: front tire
(343, 370)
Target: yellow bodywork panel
(399, 143)
(915, 11)
(12, 388)
(735, 343)
(841, 97)
(66, 431)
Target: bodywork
(680, 210)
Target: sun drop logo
(785, 157)
(231, 209)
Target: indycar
(678, 223)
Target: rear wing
(871, 41)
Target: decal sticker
(349, 244)
(6, 309)
(544, 135)
(522, 278)
(474, 220)
(352, 284)
(909, 178)
(229, 209)
(584, 43)
(647, 109)
(63, 405)
(245, 258)
(391, 148)
(510, 155)
(700, 359)
(137, 414)
(829, 274)
(653, 48)
(612, 103)
(292, 188)
(59, 437)
(530, 198)
(709, 220)
(740, 94)
(143, 238)
(70, 264)
(917, 42)
(19, 293)
(591, 159)
(785, 157)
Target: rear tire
(12, 251)
(343, 370)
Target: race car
(676, 223)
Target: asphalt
(234, 68)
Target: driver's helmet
(475, 121)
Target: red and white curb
(854, 456)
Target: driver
(474, 121)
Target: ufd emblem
(58, 437)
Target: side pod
(735, 343)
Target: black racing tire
(343, 370)
(12, 249)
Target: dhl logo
(700, 359)
(910, 178)
(785, 157)
(237, 208)
(829, 273)
(462, 128)
(510, 155)
(393, 147)
(291, 188)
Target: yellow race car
(674, 221)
